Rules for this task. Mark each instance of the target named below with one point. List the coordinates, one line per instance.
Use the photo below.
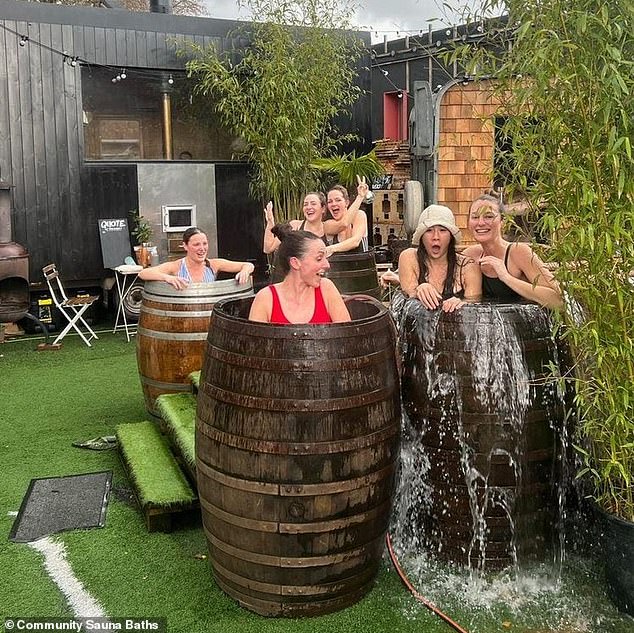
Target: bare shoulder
(465, 259)
(327, 286)
(262, 305)
(407, 254)
(295, 224)
(474, 251)
(523, 253)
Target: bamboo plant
(566, 84)
(345, 169)
(281, 92)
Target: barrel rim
(163, 289)
(297, 329)
(351, 256)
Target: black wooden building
(82, 111)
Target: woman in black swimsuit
(433, 272)
(314, 208)
(511, 271)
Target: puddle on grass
(526, 601)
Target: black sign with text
(115, 241)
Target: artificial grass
(195, 379)
(158, 480)
(178, 411)
(50, 399)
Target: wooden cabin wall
(41, 117)
(41, 135)
(465, 148)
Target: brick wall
(395, 158)
(465, 148)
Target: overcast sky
(395, 18)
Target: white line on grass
(59, 569)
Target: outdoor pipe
(430, 605)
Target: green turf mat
(157, 477)
(178, 410)
(195, 379)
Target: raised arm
(270, 241)
(333, 227)
(359, 231)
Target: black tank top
(323, 237)
(494, 288)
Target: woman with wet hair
(433, 271)
(511, 271)
(304, 295)
(195, 267)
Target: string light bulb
(23, 40)
(170, 80)
(123, 74)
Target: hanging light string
(119, 73)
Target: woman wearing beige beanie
(432, 271)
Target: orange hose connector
(430, 605)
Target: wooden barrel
(172, 331)
(354, 274)
(485, 409)
(297, 442)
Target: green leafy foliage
(291, 74)
(346, 168)
(141, 227)
(566, 83)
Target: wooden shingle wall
(465, 148)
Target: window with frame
(124, 119)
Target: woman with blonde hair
(511, 271)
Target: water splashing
(483, 419)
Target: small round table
(125, 276)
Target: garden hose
(430, 605)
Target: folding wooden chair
(72, 308)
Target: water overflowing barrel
(172, 331)
(297, 442)
(484, 411)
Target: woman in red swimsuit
(305, 295)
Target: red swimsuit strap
(277, 315)
(320, 313)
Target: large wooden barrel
(297, 443)
(172, 331)
(485, 413)
(354, 274)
